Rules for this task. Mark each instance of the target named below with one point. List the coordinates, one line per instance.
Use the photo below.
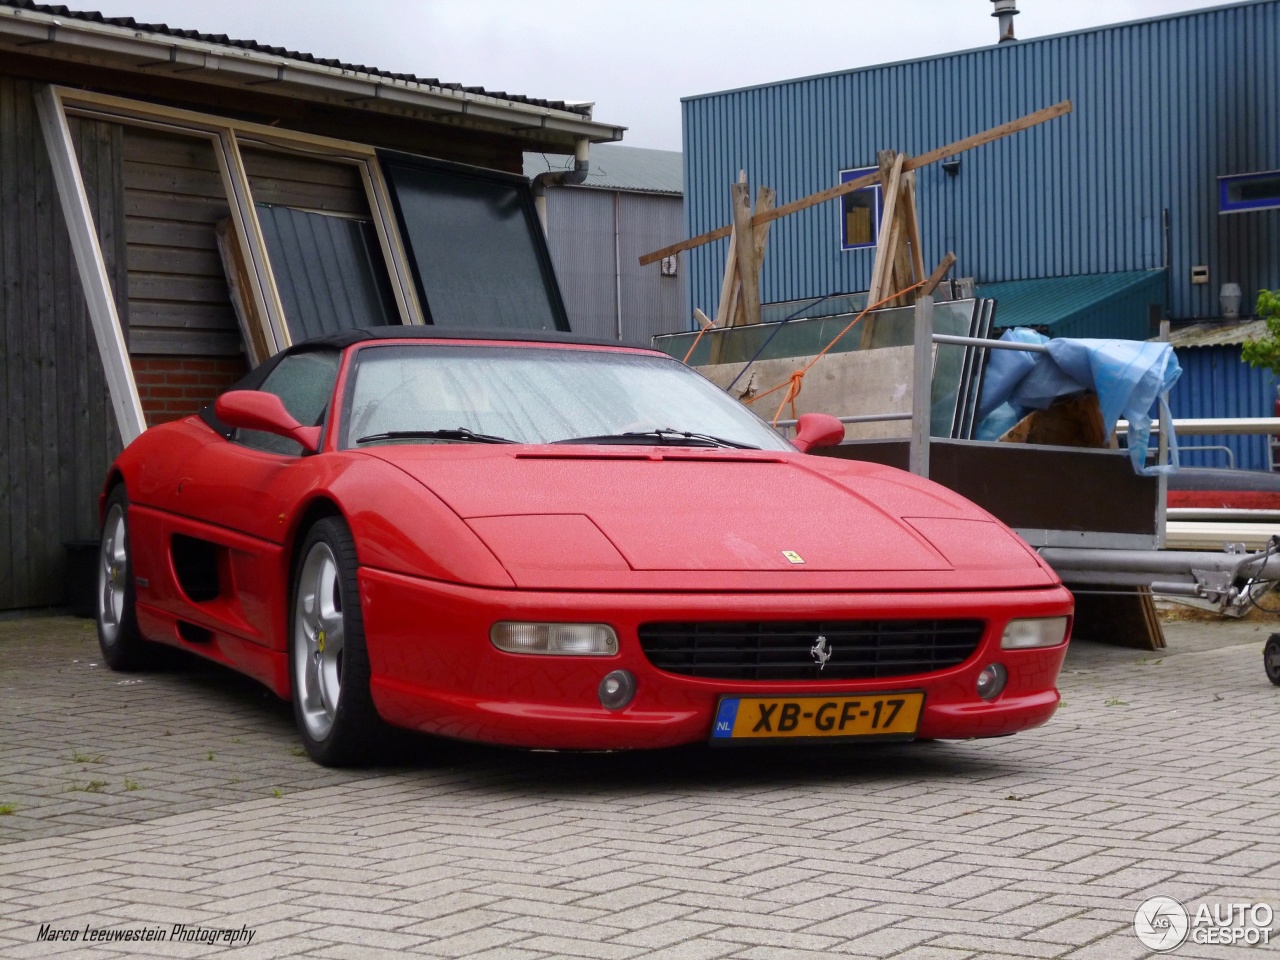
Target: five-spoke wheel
(328, 661)
(122, 646)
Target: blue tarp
(1129, 377)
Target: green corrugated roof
(615, 167)
(1086, 305)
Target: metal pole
(922, 387)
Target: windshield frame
(341, 429)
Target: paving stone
(1040, 845)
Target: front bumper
(435, 670)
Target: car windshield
(440, 393)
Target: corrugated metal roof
(584, 109)
(1053, 300)
(630, 169)
(1220, 333)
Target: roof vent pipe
(1006, 10)
(556, 178)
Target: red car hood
(686, 518)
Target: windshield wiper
(664, 436)
(458, 433)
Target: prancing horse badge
(792, 556)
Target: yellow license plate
(866, 715)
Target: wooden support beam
(748, 267)
(765, 197)
(912, 217)
(935, 278)
(822, 196)
(703, 320)
(890, 167)
(902, 276)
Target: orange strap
(795, 382)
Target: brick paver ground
(181, 797)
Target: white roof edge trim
(37, 26)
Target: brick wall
(174, 387)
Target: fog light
(991, 681)
(1027, 634)
(556, 639)
(616, 689)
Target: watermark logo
(1161, 923)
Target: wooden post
(748, 269)
(912, 218)
(880, 270)
(935, 278)
(902, 274)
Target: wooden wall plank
(179, 301)
(59, 433)
(165, 286)
(152, 259)
(169, 233)
(290, 180)
(154, 178)
(152, 146)
(10, 370)
(171, 313)
(26, 533)
(168, 206)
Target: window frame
(877, 193)
(226, 135)
(390, 158)
(1226, 205)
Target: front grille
(765, 650)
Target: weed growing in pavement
(1116, 702)
(78, 757)
(93, 786)
(275, 792)
(298, 752)
(7, 808)
(130, 784)
(209, 755)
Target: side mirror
(255, 410)
(817, 430)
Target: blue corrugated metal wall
(1162, 108)
(1215, 382)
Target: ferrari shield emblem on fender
(821, 652)
(792, 556)
(320, 642)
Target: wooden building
(174, 207)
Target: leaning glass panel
(478, 252)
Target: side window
(304, 383)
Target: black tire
(1271, 658)
(122, 645)
(332, 705)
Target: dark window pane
(480, 255)
(329, 271)
(304, 384)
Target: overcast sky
(634, 58)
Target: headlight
(556, 639)
(1026, 634)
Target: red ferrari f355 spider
(544, 541)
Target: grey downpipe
(561, 178)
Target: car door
(239, 492)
